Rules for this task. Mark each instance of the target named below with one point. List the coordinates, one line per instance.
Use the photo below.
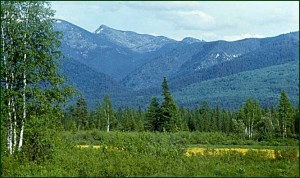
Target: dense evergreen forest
(40, 138)
(250, 121)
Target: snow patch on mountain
(99, 30)
(136, 42)
(216, 58)
(190, 40)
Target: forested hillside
(133, 66)
(263, 84)
(95, 52)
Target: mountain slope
(136, 42)
(190, 40)
(167, 63)
(232, 91)
(187, 63)
(273, 52)
(92, 84)
(130, 66)
(97, 53)
(217, 52)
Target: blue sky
(207, 20)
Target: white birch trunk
(11, 112)
(24, 105)
(249, 128)
(252, 123)
(271, 119)
(284, 130)
(9, 134)
(24, 85)
(14, 126)
(21, 136)
(107, 118)
(251, 133)
(9, 129)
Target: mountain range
(130, 67)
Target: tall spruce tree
(128, 124)
(153, 116)
(169, 109)
(81, 114)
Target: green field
(156, 154)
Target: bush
(147, 154)
(287, 154)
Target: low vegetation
(155, 154)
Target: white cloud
(208, 20)
(189, 20)
(242, 36)
(209, 36)
(164, 6)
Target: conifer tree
(153, 116)
(81, 114)
(205, 117)
(169, 109)
(128, 124)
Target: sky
(204, 20)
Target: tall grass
(148, 154)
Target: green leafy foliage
(150, 154)
(285, 114)
(33, 89)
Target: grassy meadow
(96, 153)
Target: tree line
(251, 121)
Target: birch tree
(285, 114)
(108, 112)
(252, 114)
(30, 81)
